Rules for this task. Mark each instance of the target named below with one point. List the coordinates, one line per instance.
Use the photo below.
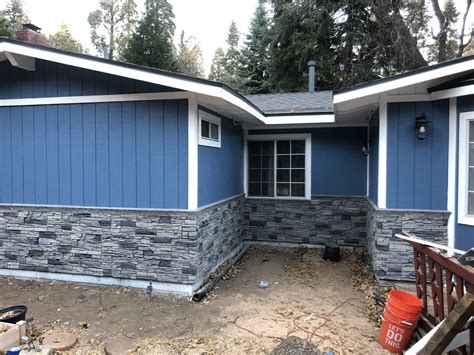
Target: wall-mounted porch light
(365, 148)
(421, 126)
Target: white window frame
(206, 116)
(307, 162)
(463, 172)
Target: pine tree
(112, 25)
(217, 72)
(152, 43)
(189, 59)
(63, 39)
(4, 27)
(232, 58)
(15, 15)
(255, 56)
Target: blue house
(118, 174)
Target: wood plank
(450, 327)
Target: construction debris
(60, 341)
(295, 346)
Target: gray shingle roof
(297, 102)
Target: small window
(209, 130)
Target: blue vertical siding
(221, 169)
(110, 155)
(464, 234)
(52, 79)
(417, 170)
(374, 158)
(338, 166)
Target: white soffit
(437, 72)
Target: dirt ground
(306, 297)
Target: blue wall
(221, 169)
(51, 79)
(112, 155)
(338, 166)
(417, 170)
(464, 234)
(374, 158)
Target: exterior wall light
(365, 148)
(422, 127)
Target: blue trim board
(52, 80)
(338, 166)
(417, 170)
(132, 154)
(220, 170)
(464, 234)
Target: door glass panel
(283, 161)
(297, 190)
(297, 175)
(297, 147)
(283, 175)
(261, 172)
(283, 147)
(297, 161)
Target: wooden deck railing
(441, 281)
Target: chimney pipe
(312, 75)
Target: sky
(207, 20)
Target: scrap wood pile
(363, 280)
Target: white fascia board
(408, 80)
(132, 73)
(454, 92)
(299, 119)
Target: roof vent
(312, 76)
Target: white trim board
(299, 119)
(193, 173)
(65, 100)
(166, 287)
(452, 170)
(382, 163)
(464, 119)
(454, 92)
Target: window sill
(209, 143)
(466, 220)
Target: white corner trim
(464, 119)
(246, 163)
(454, 92)
(407, 80)
(308, 162)
(452, 170)
(165, 287)
(383, 132)
(64, 100)
(409, 98)
(206, 116)
(192, 154)
(299, 119)
(21, 61)
(180, 83)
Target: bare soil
(307, 297)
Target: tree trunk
(442, 36)
(462, 45)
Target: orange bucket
(401, 314)
(395, 335)
(405, 300)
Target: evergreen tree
(63, 39)
(232, 58)
(189, 59)
(217, 72)
(15, 15)
(152, 43)
(255, 56)
(4, 27)
(112, 25)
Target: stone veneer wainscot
(391, 257)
